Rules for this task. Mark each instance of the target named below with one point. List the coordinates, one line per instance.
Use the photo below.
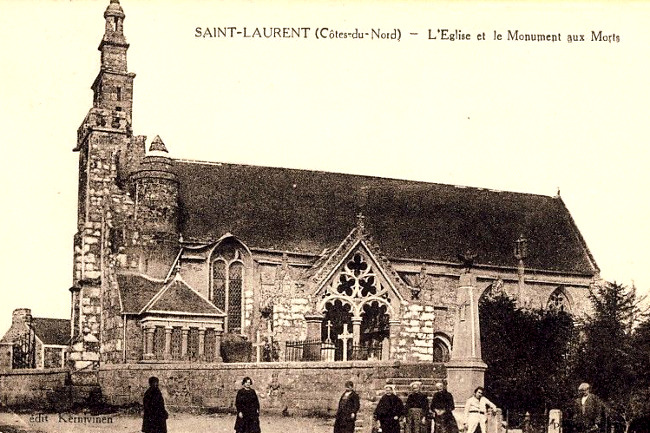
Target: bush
(235, 348)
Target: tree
(526, 353)
(609, 354)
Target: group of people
(417, 415)
(247, 405)
(391, 412)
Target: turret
(156, 209)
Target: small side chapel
(174, 258)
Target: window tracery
(226, 291)
(559, 301)
(357, 280)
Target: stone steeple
(113, 87)
(103, 136)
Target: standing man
(154, 419)
(475, 411)
(588, 413)
(346, 415)
(417, 407)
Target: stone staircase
(402, 389)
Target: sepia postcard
(302, 194)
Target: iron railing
(302, 350)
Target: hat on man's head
(583, 386)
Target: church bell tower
(103, 135)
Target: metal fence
(364, 353)
(24, 351)
(302, 350)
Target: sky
(510, 115)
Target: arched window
(559, 301)
(441, 348)
(226, 291)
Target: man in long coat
(346, 415)
(154, 419)
(588, 411)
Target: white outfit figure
(476, 410)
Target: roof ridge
(367, 176)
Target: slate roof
(179, 297)
(308, 211)
(52, 331)
(136, 291)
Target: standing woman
(248, 409)
(389, 411)
(346, 415)
(154, 419)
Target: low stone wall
(295, 388)
(34, 389)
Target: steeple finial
(114, 59)
(157, 145)
(360, 221)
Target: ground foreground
(128, 423)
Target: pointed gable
(177, 297)
(357, 271)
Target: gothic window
(337, 316)
(357, 279)
(559, 301)
(374, 327)
(219, 284)
(440, 349)
(234, 296)
(228, 283)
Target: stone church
(174, 259)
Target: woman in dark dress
(248, 409)
(389, 411)
(346, 415)
(154, 419)
(417, 409)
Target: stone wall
(53, 357)
(293, 388)
(431, 313)
(6, 355)
(34, 389)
